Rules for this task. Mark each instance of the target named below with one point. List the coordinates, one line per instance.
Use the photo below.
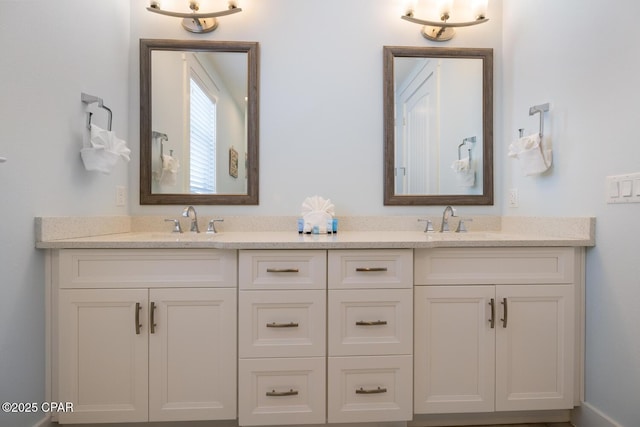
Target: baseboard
(45, 422)
(587, 415)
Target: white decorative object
(316, 211)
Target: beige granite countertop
(355, 233)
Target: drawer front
(127, 268)
(282, 323)
(376, 322)
(275, 269)
(282, 391)
(467, 266)
(372, 268)
(370, 389)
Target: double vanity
(380, 323)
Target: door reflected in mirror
(198, 122)
(438, 126)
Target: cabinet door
(103, 355)
(192, 357)
(534, 350)
(454, 349)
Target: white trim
(587, 415)
(45, 422)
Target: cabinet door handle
(137, 318)
(492, 321)
(282, 325)
(371, 391)
(274, 393)
(504, 320)
(283, 270)
(374, 323)
(371, 269)
(152, 318)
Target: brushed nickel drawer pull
(282, 325)
(283, 270)
(492, 321)
(274, 393)
(371, 391)
(137, 318)
(152, 318)
(504, 321)
(374, 323)
(371, 269)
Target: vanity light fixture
(443, 31)
(195, 22)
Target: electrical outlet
(513, 198)
(121, 195)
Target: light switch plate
(623, 188)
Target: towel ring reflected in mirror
(433, 99)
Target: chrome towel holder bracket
(90, 99)
(539, 109)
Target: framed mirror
(438, 126)
(199, 122)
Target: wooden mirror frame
(147, 197)
(486, 55)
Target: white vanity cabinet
(145, 335)
(370, 335)
(282, 337)
(495, 329)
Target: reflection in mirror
(438, 126)
(199, 122)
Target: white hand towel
(530, 150)
(104, 151)
(465, 172)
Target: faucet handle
(461, 226)
(176, 225)
(211, 228)
(428, 226)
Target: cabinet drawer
(282, 323)
(120, 268)
(370, 389)
(376, 322)
(282, 391)
(301, 269)
(370, 269)
(469, 266)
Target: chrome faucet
(444, 227)
(194, 220)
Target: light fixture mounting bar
(230, 11)
(444, 24)
(195, 22)
(443, 30)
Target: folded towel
(104, 151)
(465, 172)
(535, 158)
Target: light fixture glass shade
(479, 8)
(445, 8)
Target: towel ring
(472, 140)
(90, 99)
(540, 109)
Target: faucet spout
(448, 213)
(194, 220)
